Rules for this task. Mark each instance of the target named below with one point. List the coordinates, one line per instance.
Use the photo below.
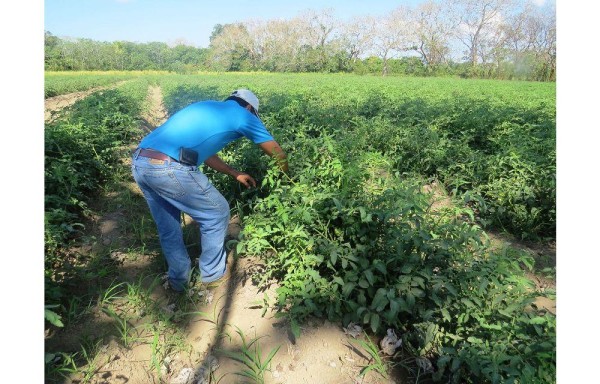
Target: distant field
(60, 83)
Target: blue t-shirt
(206, 127)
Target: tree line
(503, 39)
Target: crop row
(82, 149)
(349, 234)
(490, 142)
(60, 83)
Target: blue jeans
(171, 188)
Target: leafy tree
(432, 33)
(503, 39)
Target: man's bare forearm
(273, 149)
(219, 165)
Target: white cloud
(539, 3)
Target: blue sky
(166, 21)
(170, 20)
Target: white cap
(248, 97)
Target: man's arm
(273, 149)
(220, 166)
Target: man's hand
(246, 179)
(219, 165)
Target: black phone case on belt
(188, 156)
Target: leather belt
(155, 155)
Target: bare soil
(324, 352)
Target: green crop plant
(60, 83)
(111, 294)
(251, 356)
(89, 369)
(376, 363)
(123, 327)
(60, 364)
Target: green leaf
(498, 299)
(380, 300)
(363, 213)
(455, 364)
(364, 216)
(538, 320)
(333, 257)
(483, 285)
(497, 327)
(443, 360)
(418, 281)
(366, 370)
(394, 308)
(451, 289)
(410, 300)
(375, 321)
(508, 311)
(48, 357)
(270, 357)
(381, 268)
(295, 328)
(347, 289)
(53, 317)
(337, 203)
(239, 248)
(446, 314)
(417, 292)
(360, 310)
(467, 302)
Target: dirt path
(53, 105)
(157, 113)
(323, 353)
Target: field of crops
(351, 233)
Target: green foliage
(348, 234)
(492, 143)
(382, 261)
(58, 83)
(60, 364)
(251, 356)
(377, 362)
(82, 152)
(89, 55)
(52, 317)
